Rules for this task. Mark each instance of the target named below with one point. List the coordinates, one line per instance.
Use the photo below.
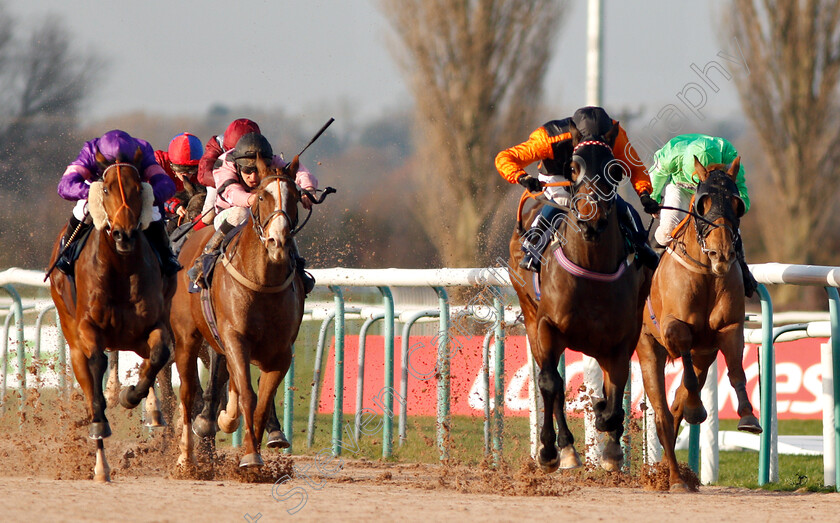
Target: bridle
(122, 193)
(583, 179)
(261, 226)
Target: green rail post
(834, 314)
(388, 334)
(444, 419)
(338, 405)
(499, 378)
(289, 403)
(766, 383)
(694, 448)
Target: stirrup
(530, 263)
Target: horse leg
(205, 423)
(276, 438)
(240, 375)
(229, 417)
(609, 412)
(268, 382)
(112, 388)
(158, 342)
(154, 417)
(99, 427)
(652, 361)
(166, 406)
(678, 340)
(188, 372)
(732, 345)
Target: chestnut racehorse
(696, 308)
(119, 299)
(257, 299)
(591, 301)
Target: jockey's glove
(532, 184)
(649, 204)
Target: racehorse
(587, 297)
(256, 298)
(696, 308)
(118, 299)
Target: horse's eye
(104, 190)
(261, 198)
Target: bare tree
(43, 82)
(789, 92)
(476, 69)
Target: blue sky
(308, 56)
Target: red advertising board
(798, 378)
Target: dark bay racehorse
(696, 309)
(591, 301)
(257, 298)
(118, 299)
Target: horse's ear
(138, 156)
(612, 134)
(735, 168)
(573, 130)
(100, 158)
(262, 167)
(700, 169)
(292, 169)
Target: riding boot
(75, 228)
(533, 245)
(159, 240)
(750, 285)
(308, 279)
(211, 251)
(631, 225)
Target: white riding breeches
(81, 208)
(559, 195)
(232, 215)
(673, 196)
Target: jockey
(674, 183)
(216, 146)
(180, 162)
(551, 144)
(235, 178)
(115, 146)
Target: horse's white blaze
(278, 224)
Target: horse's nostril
(713, 253)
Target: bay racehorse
(587, 297)
(118, 299)
(695, 309)
(256, 298)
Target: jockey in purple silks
(116, 146)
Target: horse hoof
(227, 423)
(124, 401)
(204, 428)
(749, 423)
(99, 430)
(548, 465)
(695, 416)
(277, 440)
(679, 487)
(102, 478)
(251, 460)
(155, 419)
(610, 464)
(569, 458)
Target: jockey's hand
(532, 184)
(305, 201)
(181, 212)
(649, 204)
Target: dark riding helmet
(592, 122)
(248, 147)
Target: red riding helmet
(236, 130)
(185, 149)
